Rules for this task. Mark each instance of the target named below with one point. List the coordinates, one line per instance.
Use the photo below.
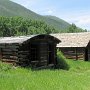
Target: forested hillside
(16, 20)
(11, 9)
(59, 22)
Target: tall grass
(76, 78)
(5, 67)
(61, 61)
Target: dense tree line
(16, 26)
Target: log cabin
(34, 50)
(74, 45)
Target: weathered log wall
(74, 53)
(9, 52)
(34, 51)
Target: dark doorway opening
(86, 54)
(41, 54)
(51, 54)
(33, 54)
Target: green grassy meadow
(76, 78)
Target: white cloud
(46, 11)
(49, 11)
(82, 20)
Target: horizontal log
(73, 53)
(12, 47)
(23, 51)
(15, 57)
(22, 56)
(9, 60)
(42, 63)
(74, 57)
(2, 47)
(34, 61)
(9, 49)
(13, 62)
(21, 59)
(9, 46)
(81, 58)
(9, 53)
(39, 62)
(10, 57)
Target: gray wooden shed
(34, 51)
(74, 45)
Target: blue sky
(72, 11)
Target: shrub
(61, 61)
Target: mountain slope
(10, 9)
(58, 22)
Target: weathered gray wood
(22, 56)
(23, 51)
(13, 62)
(9, 45)
(10, 57)
(22, 59)
(10, 53)
(2, 46)
(73, 53)
(12, 46)
(9, 50)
